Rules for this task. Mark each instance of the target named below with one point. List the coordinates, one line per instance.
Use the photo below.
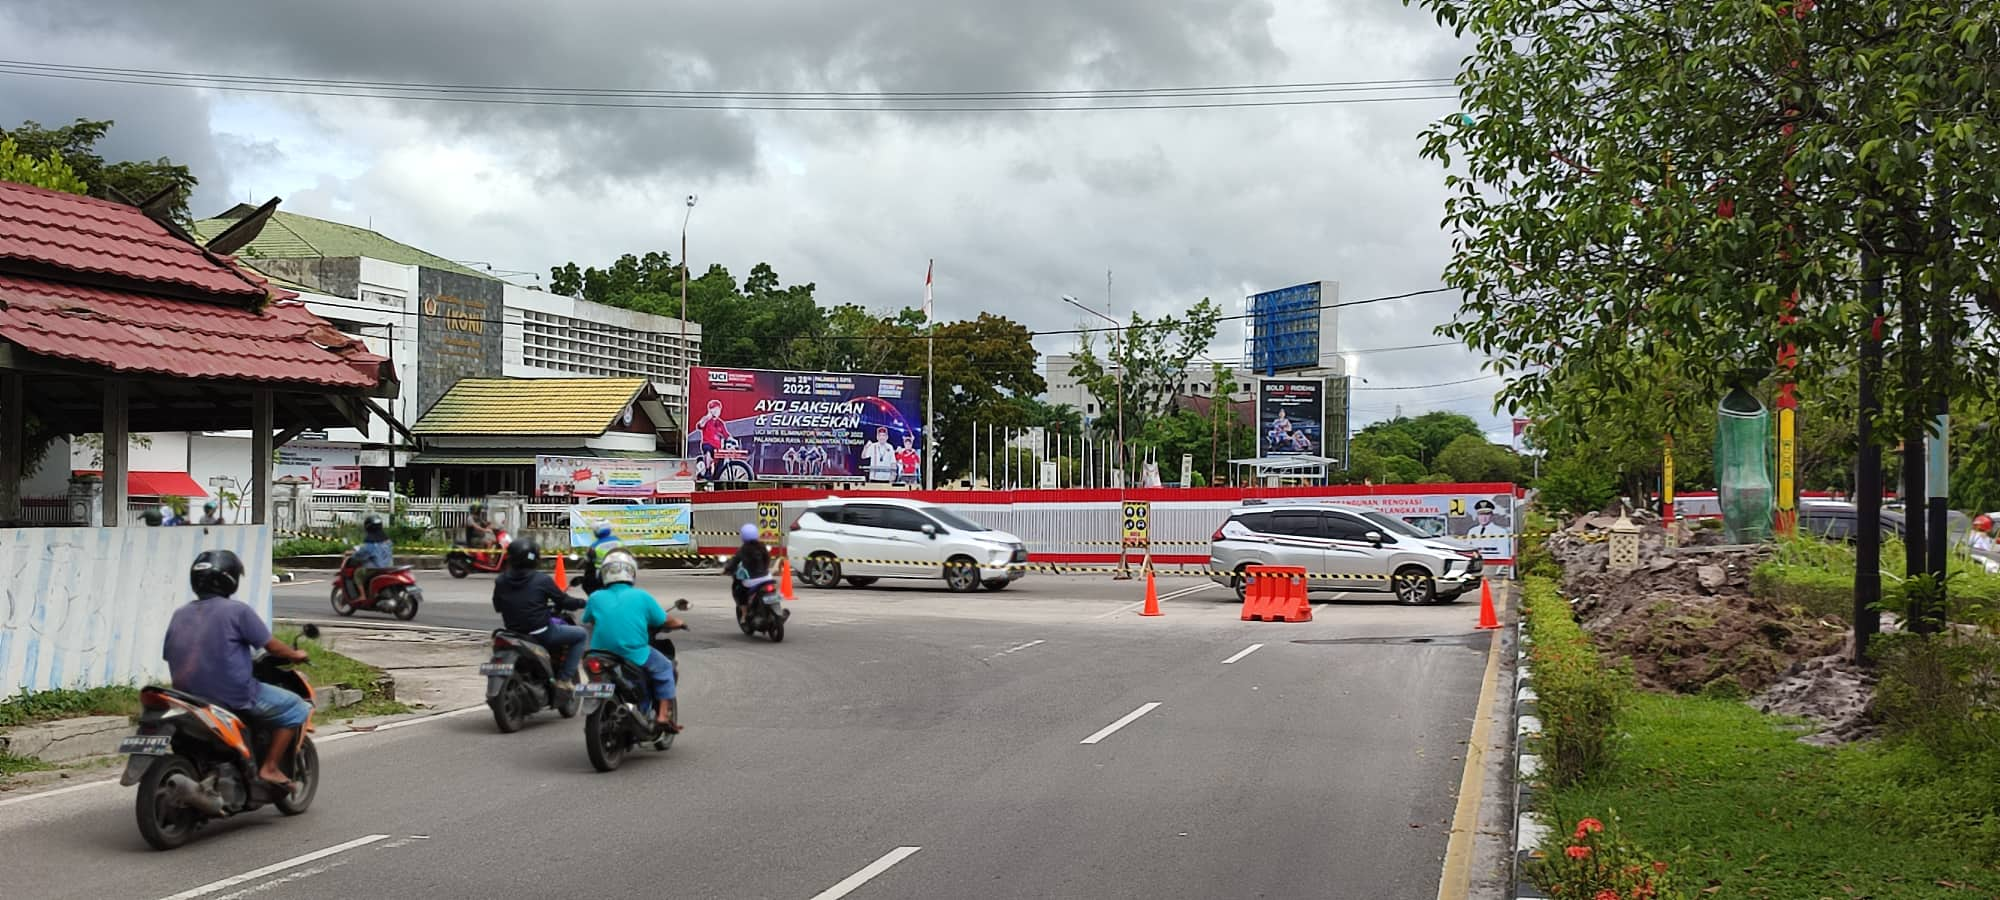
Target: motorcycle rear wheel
(305, 781)
(459, 566)
(406, 605)
(162, 822)
(604, 736)
(508, 710)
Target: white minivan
(863, 540)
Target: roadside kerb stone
(66, 740)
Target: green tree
(125, 181)
(1152, 355)
(1471, 458)
(50, 171)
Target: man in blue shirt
(625, 618)
(208, 650)
(375, 554)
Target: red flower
(1659, 867)
(1588, 826)
(1577, 852)
(1606, 894)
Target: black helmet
(372, 527)
(216, 573)
(523, 553)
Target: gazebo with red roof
(112, 321)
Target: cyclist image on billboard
(761, 425)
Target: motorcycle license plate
(594, 690)
(496, 668)
(147, 745)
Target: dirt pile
(1686, 619)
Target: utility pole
(1119, 372)
(687, 353)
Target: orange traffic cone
(1152, 596)
(562, 573)
(1487, 618)
(785, 579)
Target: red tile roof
(84, 234)
(145, 301)
(131, 332)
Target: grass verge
(329, 668)
(1755, 813)
(66, 703)
(15, 765)
(1818, 576)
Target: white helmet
(618, 567)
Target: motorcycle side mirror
(310, 632)
(681, 604)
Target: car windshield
(1394, 525)
(953, 520)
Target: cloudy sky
(1017, 207)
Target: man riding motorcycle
(750, 568)
(478, 531)
(625, 618)
(375, 554)
(211, 513)
(527, 599)
(601, 547)
(208, 648)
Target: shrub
(1578, 698)
(62, 703)
(309, 546)
(1941, 691)
(1576, 485)
(1594, 862)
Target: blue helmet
(603, 532)
(749, 533)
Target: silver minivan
(1342, 548)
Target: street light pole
(1119, 374)
(687, 355)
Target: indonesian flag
(1520, 425)
(927, 291)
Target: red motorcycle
(393, 591)
(463, 560)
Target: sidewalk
(435, 669)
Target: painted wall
(83, 607)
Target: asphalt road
(978, 729)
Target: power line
(1281, 88)
(1414, 387)
(728, 101)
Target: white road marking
(1016, 649)
(275, 867)
(1243, 653)
(1128, 719)
(404, 723)
(848, 884)
(57, 792)
(1184, 592)
(1171, 595)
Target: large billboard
(1291, 417)
(1483, 522)
(759, 425)
(1291, 328)
(458, 331)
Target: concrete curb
(1529, 829)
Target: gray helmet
(618, 567)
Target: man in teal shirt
(625, 618)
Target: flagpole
(930, 384)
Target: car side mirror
(1374, 537)
(930, 531)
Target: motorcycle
(195, 762)
(586, 579)
(761, 610)
(393, 591)
(617, 700)
(463, 560)
(521, 679)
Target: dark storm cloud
(948, 45)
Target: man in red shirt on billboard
(713, 432)
(908, 459)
